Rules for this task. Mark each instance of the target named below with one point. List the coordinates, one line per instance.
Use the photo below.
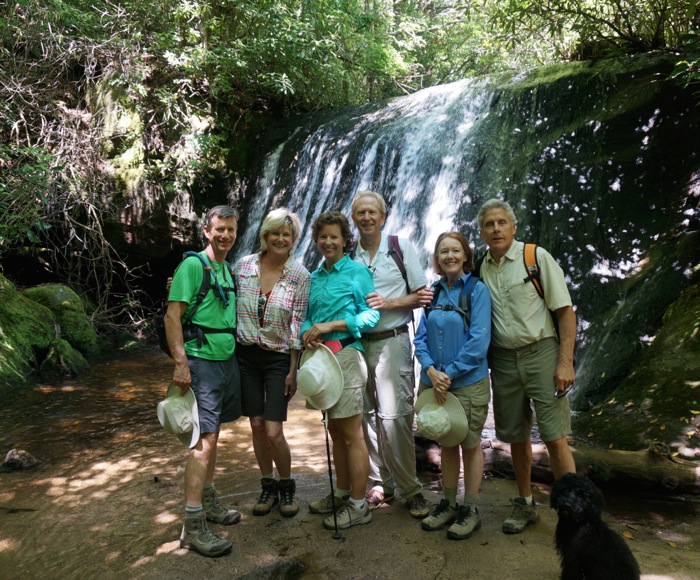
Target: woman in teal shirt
(338, 315)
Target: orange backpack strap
(532, 268)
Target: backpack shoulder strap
(532, 268)
(206, 279)
(396, 253)
(353, 248)
(465, 298)
(477, 265)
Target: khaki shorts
(352, 364)
(474, 399)
(525, 375)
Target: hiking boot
(269, 496)
(288, 505)
(418, 507)
(443, 515)
(325, 505)
(215, 511)
(376, 497)
(197, 536)
(522, 516)
(348, 516)
(465, 525)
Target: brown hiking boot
(288, 505)
(269, 496)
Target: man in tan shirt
(528, 363)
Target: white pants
(388, 415)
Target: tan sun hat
(445, 423)
(179, 416)
(320, 378)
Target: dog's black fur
(588, 548)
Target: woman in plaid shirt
(273, 296)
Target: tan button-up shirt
(519, 316)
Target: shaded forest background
(110, 108)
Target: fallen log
(654, 469)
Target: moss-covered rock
(70, 315)
(660, 399)
(27, 330)
(61, 361)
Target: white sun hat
(445, 423)
(320, 378)
(179, 416)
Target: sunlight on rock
(676, 537)
(166, 518)
(8, 545)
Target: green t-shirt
(211, 312)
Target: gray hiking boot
(288, 505)
(216, 512)
(325, 505)
(197, 536)
(467, 522)
(443, 515)
(348, 516)
(269, 496)
(522, 516)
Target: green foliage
(24, 182)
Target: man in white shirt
(388, 407)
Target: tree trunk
(653, 469)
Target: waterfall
(598, 161)
(412, 150)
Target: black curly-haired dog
(588, 548)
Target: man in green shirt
(206, 364)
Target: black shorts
(262, 382)
(217, 386)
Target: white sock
(528, 500)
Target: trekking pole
(336, 534)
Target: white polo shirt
(388, 281)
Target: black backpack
(190, 330)
(465, 300)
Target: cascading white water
(411, 150)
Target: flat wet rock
(106, 502)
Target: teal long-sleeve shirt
(340, 295)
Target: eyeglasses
(372, 269)
(262, 303)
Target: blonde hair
(276, 219)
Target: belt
(385, 333)
(338, 345)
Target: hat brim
(335, 386)
(459, 426)
(190, 438)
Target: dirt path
(106, 503)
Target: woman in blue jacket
(451, 343)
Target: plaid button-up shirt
(285, 310)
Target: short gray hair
(374, 195)
(276, 219)
(494, 203)
(220, 211)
